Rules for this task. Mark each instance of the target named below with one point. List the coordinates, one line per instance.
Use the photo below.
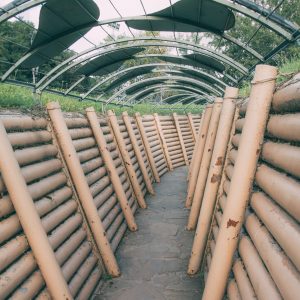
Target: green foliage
(286, 70)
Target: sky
(107, 11)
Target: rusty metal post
(213, 179)
(163, 141)
(140, 125)
(137, 152)
(111, 170)
(30, 220)
(244, 169)
(205, 162)
(126, 159)
(193, 129)
(197, 155)
(69, 153)
(177, 126)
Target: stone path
(153, 260)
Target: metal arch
(75, 29)
(164, 78)
(274, 26)
(224, 57)
(19, 9)
(146, 90)
(171, 43)
(118, 73)
(237, 7)
(165, 87)
(150, 73)
(45, 85)
(187, 75)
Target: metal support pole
(197, 155)
(213, 179)
(126, 159)
(177, 126)
(72, 161)
(137, 152)
(30, 220)
(111, 170)
(244, 170)
(147, 146)
(192, 126)
(163, 142)
(205, 162)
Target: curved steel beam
(163, 78)
(188, 45)
(41, 85)
(165, 87)
(157, 85)
(123, 71)
(274, 26)
(15, 10)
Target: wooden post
(193, 129)
(197, 155)
(163, 141)
(30, 220)
(205, 162)
(244, 170)
(177, 126)
(137, 152)
(111, 169)
(213, 179)
(140, 125)
(126, 159)
(70, 156)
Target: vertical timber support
(137, 152)
(140, 125)
(30, 220)
(126, 159)
(192, 126)
(197, 155)
(177, 126)
(72, 161)
(163, 142)
(213, 179)
(111, 170)
(205, 162)
(244, 170)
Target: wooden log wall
(83, 221)
(265, 259)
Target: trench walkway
(154, 259)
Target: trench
(74, 192)
(153, 259)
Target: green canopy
(188, 16)
(107, 62)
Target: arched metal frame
(45, 81)
(148, 89)
(253, 12)
(123, 71)
(170, 87)
(164, 78)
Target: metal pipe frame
(123, 71)
(159, 42)
(164, 78)
(273, 25)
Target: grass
(22, 98)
